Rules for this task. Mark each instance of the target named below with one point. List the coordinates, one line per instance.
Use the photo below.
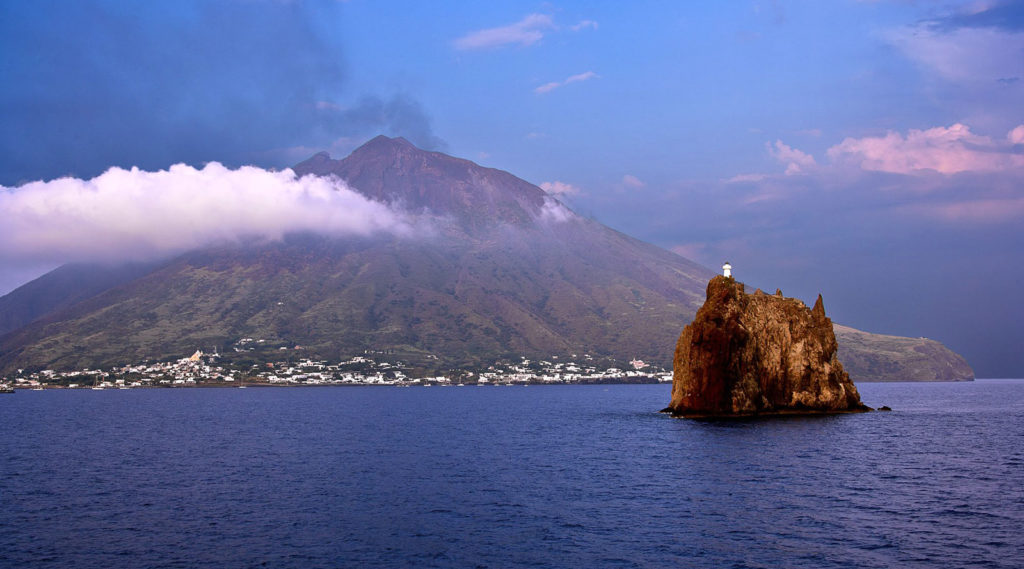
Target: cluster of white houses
(203, 369)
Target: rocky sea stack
(758, 354)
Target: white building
(727, 269)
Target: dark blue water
(562, 476)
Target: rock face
(758, 354)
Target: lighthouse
(727, 270)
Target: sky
(872, 151)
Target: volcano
(493, 267)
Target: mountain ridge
(393, 171)
(509, 270)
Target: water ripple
(571, 476)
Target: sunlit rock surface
(758, 354)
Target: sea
(540, 476)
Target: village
(208, 370)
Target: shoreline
(227, 385)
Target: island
(758, 354)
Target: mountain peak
(395, 171)
(386, 147)
(382, 140)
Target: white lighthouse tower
(727, 270)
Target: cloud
(969, 61)
(966, 54)
(745, 178)
(632, 181)
(947, 150)
(583, 25)
(581, 77)
(944, 174)
(342, 146)
(998, 14)
(1016, 136)
(523, 33)
(894, 249)
(135, 214)
(548, 87)
(980, 42)
(795, 160)
(151, 84)
(90, 84)
(560, 188)
(554, 212)
(399, 115)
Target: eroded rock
(758, 354)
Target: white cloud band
(525, 32)
(134, 214)
(945, 150)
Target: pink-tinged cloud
(795, 160)
(632, 181)
(548, 87)
(746, 178)
(581, 77)
(945, 150)
(525, 32)
(584, 24)
(1016, 136)
(943, 174)
(557, 188)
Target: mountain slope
(462, 303)
(62, 288)
(495, 267)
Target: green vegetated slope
(463, 305)
(878, 357)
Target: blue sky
(869, 150)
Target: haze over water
(565, 476)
